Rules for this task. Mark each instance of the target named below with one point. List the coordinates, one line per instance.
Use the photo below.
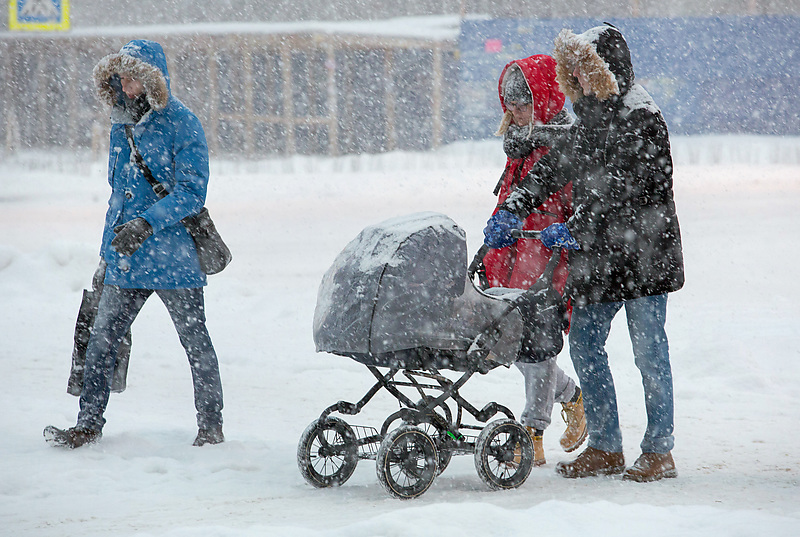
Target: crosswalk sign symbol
(43, 15)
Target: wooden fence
(256, 94)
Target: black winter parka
(617, 156)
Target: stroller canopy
(393, 287)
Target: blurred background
(349, 77)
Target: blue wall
(708, 75)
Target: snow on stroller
(398, 300)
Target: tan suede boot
(592, 462)
(538, 450)
(575, 434)
(651, 467)
(538, 447)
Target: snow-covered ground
(733, 333)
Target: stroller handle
(476, 267)
(525, 234)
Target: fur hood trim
(580, 51)
(152, 78)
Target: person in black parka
(624, 239)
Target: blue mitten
(558, 235)
(497, 232)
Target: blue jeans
(587, 339)
(115, 314)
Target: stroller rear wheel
(406, 462)
(504, 454)
(327, 453)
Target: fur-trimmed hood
(602, 56)
(140, 59)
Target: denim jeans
(545, 385)
(117, 309)
(587, 338)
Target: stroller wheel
(406, 462)
(435, 426)
(439, 437)
(327, 453)
(504, 454)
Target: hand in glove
(557, 235)
(477, 267)
(131, 235)
(497, 232)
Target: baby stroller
(398, 299)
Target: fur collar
(580, 51)
(151, 77)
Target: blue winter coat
(173, 144)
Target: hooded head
(141, 60)
(531, 79)
(601, 55)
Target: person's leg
(187, 309)
(569, 395)
(540, 385)
(565, 387)
(587, 338)
(646, 319)
(115, 314)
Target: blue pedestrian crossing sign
(41, 15)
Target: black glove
(477, 267)
(131, 235)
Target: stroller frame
(424, 410)
(409, 457)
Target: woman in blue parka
(145, 247)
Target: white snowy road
(733, 335)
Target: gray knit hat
(515, 87)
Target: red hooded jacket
(520, 265)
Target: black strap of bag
(212, 252)
(158, 188)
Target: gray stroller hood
(402, 284)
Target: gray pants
(545, 385)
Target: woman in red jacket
(533, 117)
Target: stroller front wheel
(327, 453)
(406, 462)
(504, 454)
(436, 427)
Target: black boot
(71, 438)
(212, 435)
